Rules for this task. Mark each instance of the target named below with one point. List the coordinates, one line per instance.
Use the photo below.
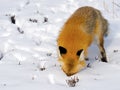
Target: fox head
(71, 61)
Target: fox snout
(71, 63)
(71, 68)
(67, 68)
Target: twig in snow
(42, 68)
(34, 77)
(13, 19)
(19, 63)
(116, 4)
(45, 19)
(20, 31)
(27, 3)
(72, 81)
(89, 65)
(1, 56)
(33, 20)
(115, 51)
(49, 54)
(4, 84)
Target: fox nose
(69, 74)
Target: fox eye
(62, 50)
(79, 52)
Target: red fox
(77, 34)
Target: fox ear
(62, 50)
(79, 52)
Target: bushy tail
(104, 23)
(105, 27)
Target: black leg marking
(103, 59)
(86, 59)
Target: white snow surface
(29, 46)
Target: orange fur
(78, 33)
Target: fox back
(77, 34)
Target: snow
(28, 50)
